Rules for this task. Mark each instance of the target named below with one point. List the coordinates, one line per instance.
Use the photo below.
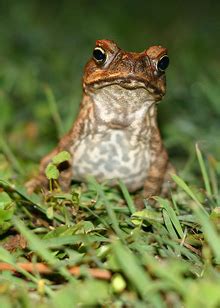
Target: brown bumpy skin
(115, 135)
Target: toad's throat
(120, 107)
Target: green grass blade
(169, 225)
(127, 197)
(172, 215)
(108, 206)
(171, 277)
(213, 178)
(54, 110)
(210, 232)
(189, 192)
(132, 269)
(73, 239)
(204, 171)
(8, 153)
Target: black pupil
(99, 55)
(163, 63)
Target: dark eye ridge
(99, 55)
(163, 63)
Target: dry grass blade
(42, 268)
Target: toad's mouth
(128, 83)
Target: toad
(116, 135)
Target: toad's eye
(163, 63)
(99, 55)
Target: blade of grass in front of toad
(170, 276)
(40, 248)
(189, 192)
(108, 206)
(127, 197)
(214, 178)
(172, 215)
(56, 242)
(166, 243)
(204, 171)
(136, 275)
(169, 225)
(103, 221)
(209, 230)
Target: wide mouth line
(124, 85)
(129, 83)
(115, 80)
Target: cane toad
(116, 135)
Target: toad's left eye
(163, 63)
(99, 55)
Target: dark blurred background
(46, 44)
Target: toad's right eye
(163, 63)
(99, 55)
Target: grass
(90, 247)
(91, 241)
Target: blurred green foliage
(47, 44)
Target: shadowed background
(45, 46)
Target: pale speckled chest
(110, 156)
(115, 143)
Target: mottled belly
(112, 156)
